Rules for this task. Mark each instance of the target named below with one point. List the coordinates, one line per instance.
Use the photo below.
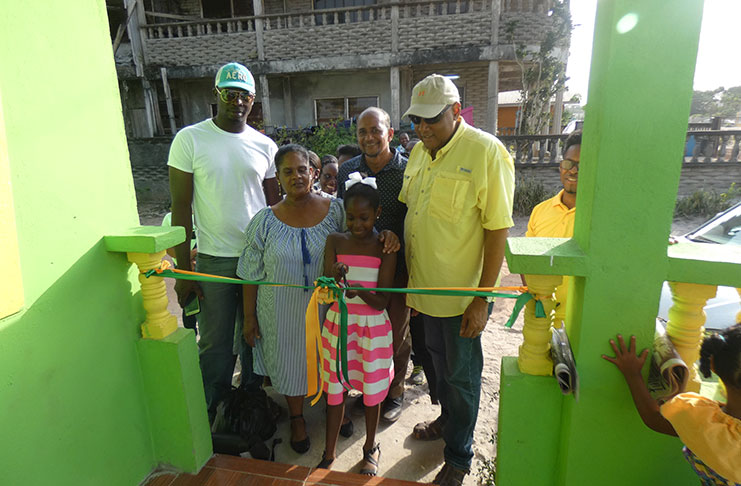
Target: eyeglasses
(568, 164)
(232, 95)
(430, 121)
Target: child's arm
(333, 268)
(630, 366)
(380, 300)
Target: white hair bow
(355, 177)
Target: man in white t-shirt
(221, 173)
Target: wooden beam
(122, 28)
(171, 16)
(168, 101)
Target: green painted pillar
(636, 119)
(639, 97)
(175, 402)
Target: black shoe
(300, 446)
(347, 429)
(418, 376)
(324, 463)
(392, 408)
(450, 476)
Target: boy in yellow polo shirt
(554, 217)
(458, 187)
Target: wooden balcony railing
(443, 7)
(336, 16)
(535, 6)
(712, 146)
(534, 149)
(193, 28)
(702, 147)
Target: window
(324, 4)
(217, 9)
(243, 8)
(334, 4)
(331, 109)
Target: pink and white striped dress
(370, 353)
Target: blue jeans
(458, 364)
(221, 311)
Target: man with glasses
(221, 172)
(554, 217)
(458, 187)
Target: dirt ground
(403, 457)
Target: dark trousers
(421, 357)
(399, 318)
(458, 365)
(221, 313)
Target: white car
(724, 309)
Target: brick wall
(202, 50)
(328, 40)
(474, 78)
(530, 27)
(717, 177)
(417, 34)
(712, 177)
(460, 30)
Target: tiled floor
(224, 470)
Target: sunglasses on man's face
(232, 95)
(430, 121)
(568, 164)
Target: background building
(316, 61)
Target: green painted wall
(639, 95)
(72, 407)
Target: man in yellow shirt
(554, 217)
(458, 187)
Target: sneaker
(392, 408)
(418, 376)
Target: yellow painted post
(534, 357)
(159, 322)
(738, 316)
(686, 321)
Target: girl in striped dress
(357, 256)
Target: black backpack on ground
(244, 421)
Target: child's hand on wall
(626, 359)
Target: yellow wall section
(11, 285)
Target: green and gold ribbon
(326, 289)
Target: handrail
(706, 146)
(413, 3)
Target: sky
(716, 59)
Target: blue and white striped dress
(277, 252)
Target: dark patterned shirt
(389, 181)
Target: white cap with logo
(431, 95)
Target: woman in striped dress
(285, 243)
(358, 256)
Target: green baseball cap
(431, 95)
(234, 75)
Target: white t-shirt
(228, 170)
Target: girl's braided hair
(725, 350)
